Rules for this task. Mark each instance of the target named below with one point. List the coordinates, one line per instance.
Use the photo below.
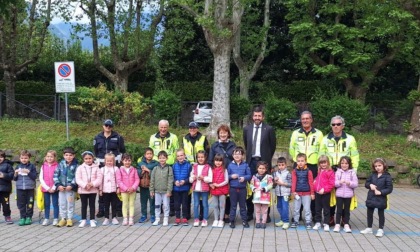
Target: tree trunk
(9, 81)
(414, 132)
(221, 89)
(244, 85)
(356, 92)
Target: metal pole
(67, 117)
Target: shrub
(166, 105)
(98, 103)
(78, 144)
(239, 108)
(278, 110)
(324, 107)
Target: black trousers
(110, 199)
(181, 200)
(4, 201)
(25, 202)
(322, 205)
(88, 199)
(343, 203)
(381, 214)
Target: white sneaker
(196, 222)
(326, 228)
(380, 233)
(55, 222)
(221, 224)
(115, 221)
(204, 223)
(130, 221)
(317, 226)
(106, 222)
(125, 222)
(347, 228)
(285, 226)
(45, 222)
(165, 221)
(92, 223)
(367, 231)
(337, 228)
(82, 223)
(156, 222)
(215, 223)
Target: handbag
(333, 200)
(145, 180)
(353, 203)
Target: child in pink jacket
(323, 185)
(89, 179)
(128, 181)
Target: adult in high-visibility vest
(336, 145)
(193, 142)
(306, 140)
(164, 141)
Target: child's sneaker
(294, 225)
(185, 222)
(326, 228)
(380, 233)
(92, 223)
(55, 222)
(165, 221)
(22, 221)
(285, 226)
(143, 219)
(8, 220)
(279, 224)
(82, 224)
(28, 221)
(196, 222)
(215, 223)
(152, 218)
(204, 223)
(347, 228)
(61, 223)
(308, 225)
(125, 222)
(69, 223)
(156, 222)
(221, 224)
(45, 222)
(263, 225)
(317, 226)
(115, 221)
(106, 222)
(130, 221)
(337, 228)
(367, 231)
(177, 222)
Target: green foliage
(98, 103)
(325, 106)
(31, 88)
(166, 105)
(278, 110)
(239, 108)
(381, 120)
(364, 165)
(414, 95)
(78, 144)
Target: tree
(220, 21)
(131, 27)
(23, 28)
(350, 41)
(255, 36)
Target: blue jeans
(283, 208)
(204, 196)
(47, 204)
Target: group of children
(159, 181)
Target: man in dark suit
(260, 145)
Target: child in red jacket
(323, 185)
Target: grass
(17, 134)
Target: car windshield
(205, 105)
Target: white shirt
(258, 143)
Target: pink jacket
(46, 176)
(127, 180)
(325, 179)
(109, 181)
(88, 174)
(344, 190)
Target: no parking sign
(64, 77)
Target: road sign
(64, 77)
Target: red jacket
(205, 172)
(326, 180)
(218, 178)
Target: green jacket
(309, 144)
(162, 179)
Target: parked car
(202, 113)
(293, 123)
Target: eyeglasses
(336, 124)
(107, 125)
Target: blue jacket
(182, 172)
(242, 170)
(142, 161)
(26, 182)
(6, 167)
(217, 148)
(65, 175)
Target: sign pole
(67, 117)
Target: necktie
(254, 140)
